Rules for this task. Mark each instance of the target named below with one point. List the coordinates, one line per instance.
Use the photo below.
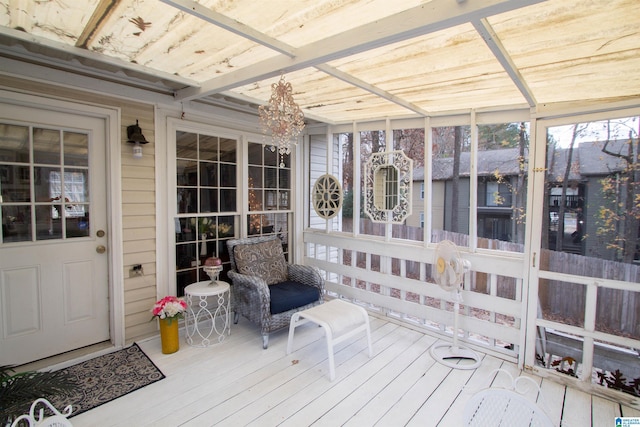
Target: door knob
(101, 249)
(100, 233)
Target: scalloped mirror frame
(379, 191)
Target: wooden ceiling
(347, 60)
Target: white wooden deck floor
(237, 383)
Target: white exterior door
(54, 293)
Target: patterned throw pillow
(265, 260)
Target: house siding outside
(138, 200)
(417, 204)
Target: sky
(597, 131)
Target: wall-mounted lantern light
(135, 136)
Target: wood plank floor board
(402, 412)
(577, 408)
(417, 361)
(481, 378)
(318, 383)
(237, 383)
(551, 399)
(240, 389)
(192, 374)
(363, 394)
(434, 408)
(353, 379)
(604, 411)
(244, 407)
(269, 409)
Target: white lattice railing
(393, 278)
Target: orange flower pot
(169, 335)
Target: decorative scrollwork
(401, 209)
(327, 196)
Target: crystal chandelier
(282, 117)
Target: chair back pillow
(264, 259)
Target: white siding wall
(317, 168)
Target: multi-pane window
(496, 193)
(269, 193)
(44, 184)
(206, 197)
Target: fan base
(455, 357)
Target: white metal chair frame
(58, 419)
(506, 407)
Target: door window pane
(16, 223)
(76, 149)
(46, 146)
(49, 197)
(14, 144)
(590, 228)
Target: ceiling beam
(103, 10)
(492, 40)
(197, 10)
(424, 19)
(229, 24)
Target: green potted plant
(17, 391)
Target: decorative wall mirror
(327, 196)
(387, 187)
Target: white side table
(205, 321)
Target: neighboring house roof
(588, 160)
(593, 161)
(505, 161)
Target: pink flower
(169, 307)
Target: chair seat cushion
(289, 295)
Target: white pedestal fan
(448, 272)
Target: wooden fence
(617, 311)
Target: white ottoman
(340, 319)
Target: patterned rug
(108, 377)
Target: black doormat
(108, 377)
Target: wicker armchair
(266, 289)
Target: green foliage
(492, 137)
(18, 391)
(347, 204)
